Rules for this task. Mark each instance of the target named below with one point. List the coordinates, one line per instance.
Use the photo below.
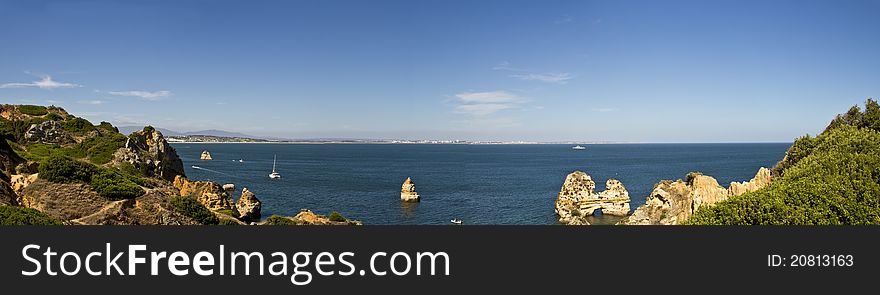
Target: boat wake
(214, 171)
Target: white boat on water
(578, 147)
(274, 174)
(456, 221)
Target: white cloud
(45, 83)
(486, 103)
(558, 78)
(91, 102)
(506, 66)
(156, 95)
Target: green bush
(107, 126)
(336, 216)
(77, 125)
(32, 110)
(114, 186)
(279, 220)
(14, 215)
(54, 117)
(61, 169)
(228, 222)
(837, 182)
(193, 209)
(229, 212)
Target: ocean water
(480, 184)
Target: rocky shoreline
(142, 167)
(669, 203)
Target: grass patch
(114, 186)
(337, 217)
(33, 110)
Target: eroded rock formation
(673, 202)
(408, 191)
(577, 199)
(147, 150)
(307, 217)
(248, 206)
(50, 132)
(209, 193)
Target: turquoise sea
(480, 184)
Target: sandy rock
(761, 179)
(248, 206)
(577, 199)
(209, 193)
(20, 181)
(408, 191)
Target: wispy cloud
(91, 102)
(486, 103)
(147, 95)
(506, 66)
(45, 83)
(564, 20)
(558, 78)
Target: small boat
(240, 161)
(196, 167)
(274, 174)
(578, 147)
(456, 221)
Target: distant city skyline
(543, 71)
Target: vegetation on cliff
(14, 215)
(193, 209)
(833, 178)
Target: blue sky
(640, 71)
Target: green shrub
(107, 126)
(336, 216)
(279, 220)
(54, 117)
(61, 169)
(193, 209)
(77, 125)
(228, 222)
(32, 110)
(837, 182)
(229, 212)
(114, 186)
(14, 215)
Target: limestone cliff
(248, 206)
(209, 193)
(147, 150)
(307, 217)
(673, 202)
(577, 199)
(49, 132)
(8, 161)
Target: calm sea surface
(480, 184)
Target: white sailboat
(274, 174)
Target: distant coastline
(189, 139)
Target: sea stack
(578, 199)
(408, 191)
(206, 156)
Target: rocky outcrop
(248, 206)
(148, 151)
(49, 132)
(8, 161)
(408, 191)
(20, 181)
(672, 203)
(761, 179)
(577, 199)
(209, 193)
(206, 156)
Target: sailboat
(274, 174)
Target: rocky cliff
(577, 199)
(248, 206)
(673, 202)
(8, 161)
(307, 217)
(208, 193)
(147, 150)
